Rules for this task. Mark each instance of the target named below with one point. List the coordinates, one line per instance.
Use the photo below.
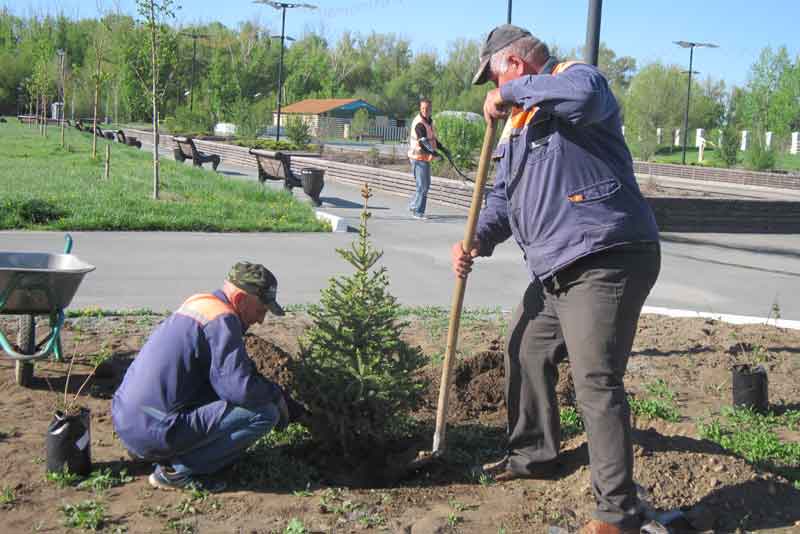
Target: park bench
(100, 133)
(187, 150)
(26, 119)
(130, 141)
(365, 138)
(276, 165)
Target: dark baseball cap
(255, 279)
(498, 38)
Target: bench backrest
(272, 163)
(186, 146)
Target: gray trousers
(590, 312)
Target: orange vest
(520, 118)
(414, 150)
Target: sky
(644, 29)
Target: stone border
(337, 223)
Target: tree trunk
(94, 120)
(154, 64)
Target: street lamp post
(509, 11)
(592, 50)
(194, 36)
(283, 6)
(691, 46)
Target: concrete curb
(337, 223)
(724, 317)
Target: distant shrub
(186, 121)
(299, 131)
(729, 146)
(758, 157)
(462, 137)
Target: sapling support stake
(107, 172)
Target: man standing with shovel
(565, 190)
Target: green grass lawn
(45, 187)
(783, 160)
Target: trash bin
(313, 181)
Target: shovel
(439, 440)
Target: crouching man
(192, 401)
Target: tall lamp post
(509, 11)
(283, 6)
(691, 46)
(592, 50)
(194, 36)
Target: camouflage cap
(255, 279)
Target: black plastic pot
(313, 182)
(750, 387)
(69, 441)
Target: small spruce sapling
(355, 372)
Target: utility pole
(509, 11)
(283, 6)
(592, 48)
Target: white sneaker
(420, 216)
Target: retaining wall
(712, 174)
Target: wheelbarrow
(31, 284)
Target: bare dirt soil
(269, 488)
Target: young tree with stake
(154, 12)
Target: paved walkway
(720, 273)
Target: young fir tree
(354, 371)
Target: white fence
(389, 133)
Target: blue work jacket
(195, 357)
(565, 186)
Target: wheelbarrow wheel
(26, 339)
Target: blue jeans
(422, 175)
(206, 443)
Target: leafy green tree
(654, 100)
(768, 103)
(355, 372)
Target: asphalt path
(743, 274)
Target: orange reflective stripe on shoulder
(561, 67)
(204, 308)
(519, 117)
(520, 120)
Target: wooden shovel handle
(458, 293)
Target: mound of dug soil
(478, 388)
(271, 361)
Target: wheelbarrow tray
(39, 283)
